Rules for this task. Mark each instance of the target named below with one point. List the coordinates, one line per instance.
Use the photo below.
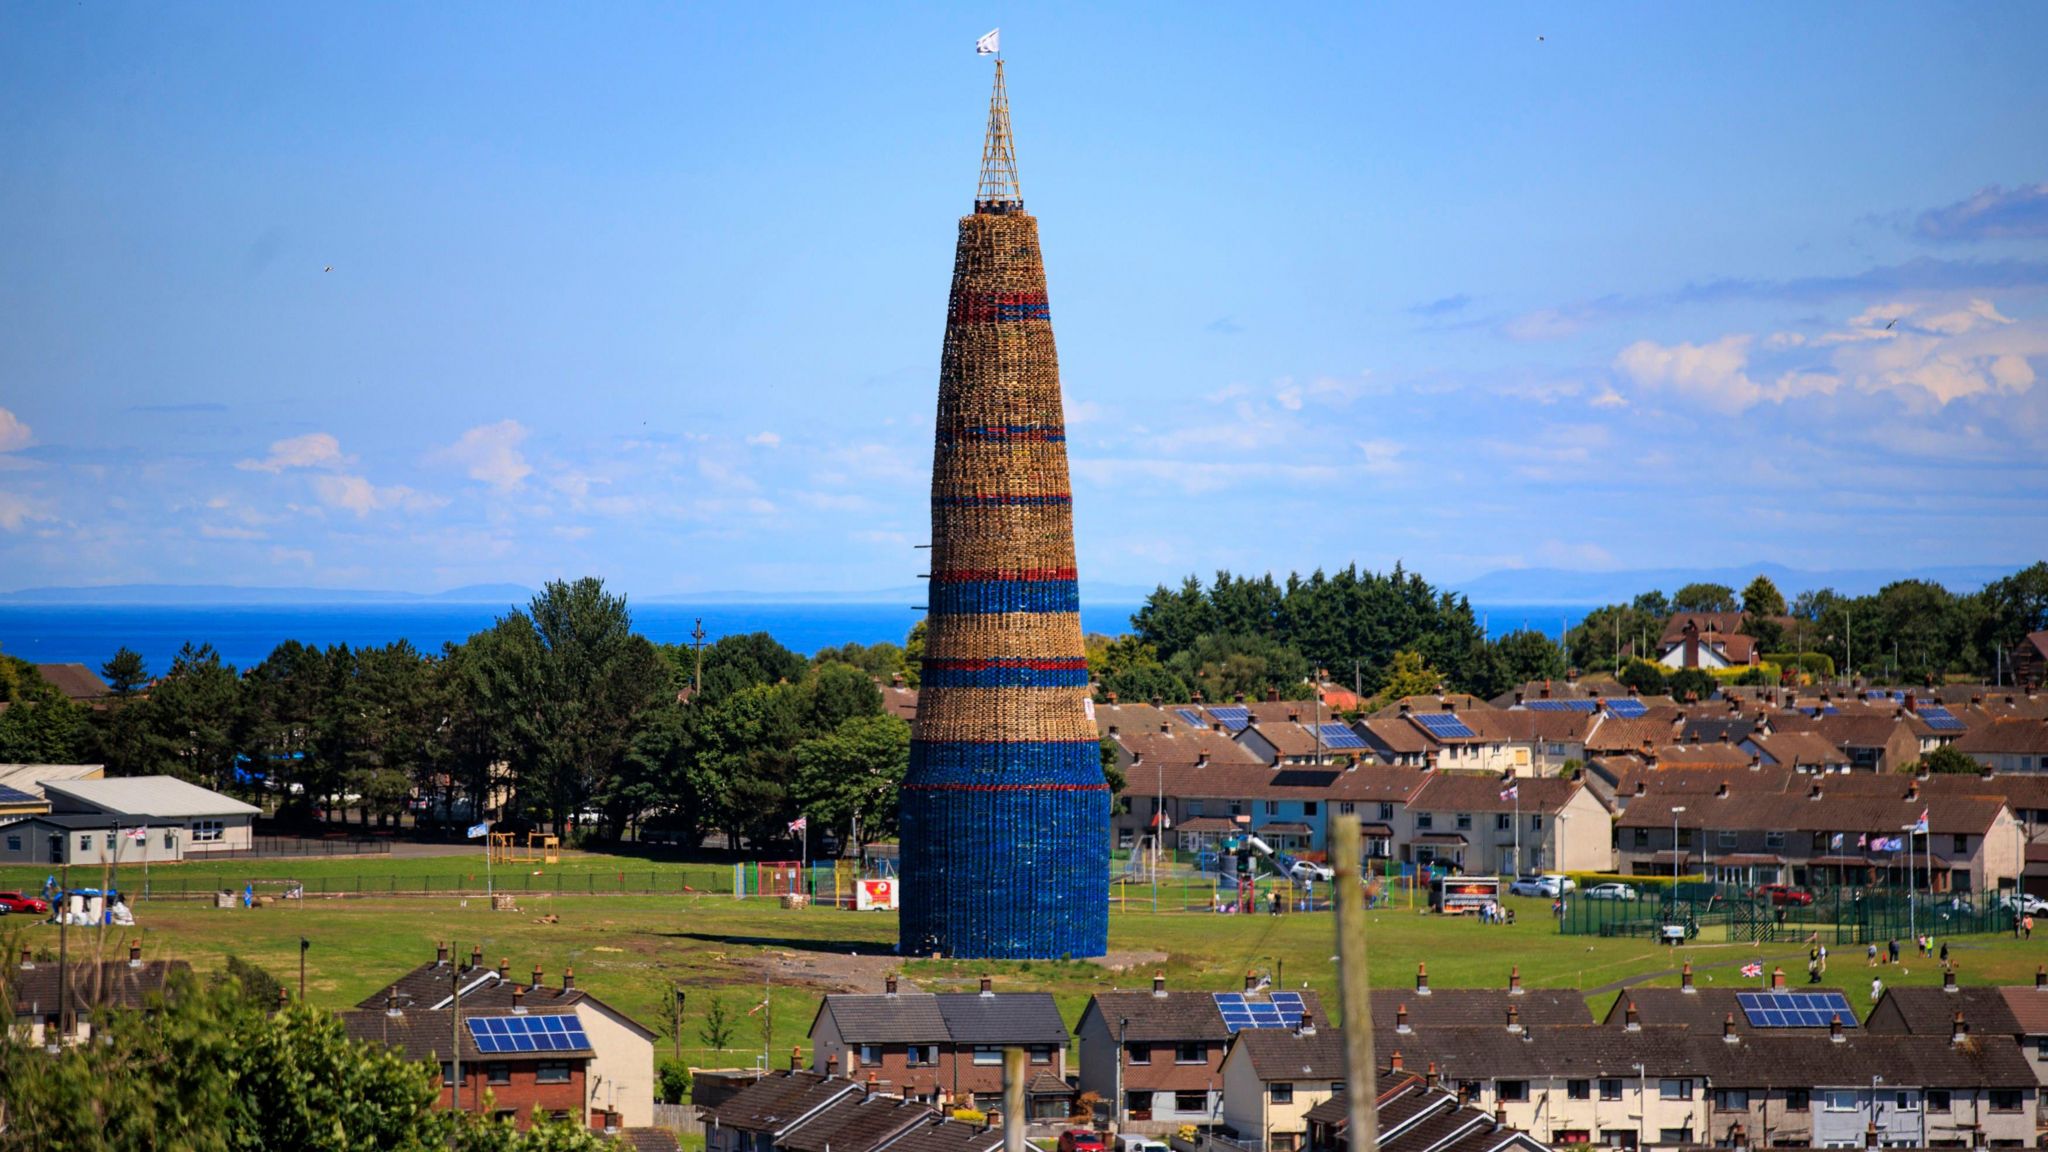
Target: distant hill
(1590, 589)
(152, 594)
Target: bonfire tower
(1005, 813)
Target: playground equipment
(539, 848)
(1249, 849)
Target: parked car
(2026, 903)
(1304, 870)
(16, 902)
(1782, 894)
(1610, 891)
(1139, 1144)
(1080, 1140)
(1549, 886)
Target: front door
(56, 848)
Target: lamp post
(1875, 1080)
(1122, 1054)
(1642, 1103)
(1675, 810)
(303, 945)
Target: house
(1476, 824)
(1396, 1011)
(1415, 1114)
(78, 683)
(619, 1074)
(2008, 745)
(760, 1116)
(1799, 751)
(1272, 1077)
(518, 1063)
(1157, 1055)
(1706, 640)
(1825, 834)
(946, 1047)
(1708, 1011)
(801, 1111)
(49, 1001)
(127, 820)
(2029, 662)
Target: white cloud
(1382, 456)
(313, 450)
(765, 440)
(1978, 314)
(1609, 398)
(13, 433)
(490, 453)
(356, 494)
(1715, 375)
(219, 532)
(15, 511)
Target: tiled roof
(905, 1018)
(1798, 749)
(1722, 756)
(1285, 1054)
(1460, 792)
(1396, 735)
(1619, 734)
(1835, 811)
(949, 1136)
(1705, 1009)
(75, 681)
(111, 983)
(1575, 1050)
(857, 1123)
(1931, 1011)
(1414, 1117)
(1387, 783)
(1175, 1016)
(1002, 1018)
(1765, 1060)
(646, 1139)
(1455, 1007)
(2028, 1004)
(156, 797)
(776, 1101)
(2006, 737)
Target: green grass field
(627, 948)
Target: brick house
(802, 1111)
(46, 1004)
(1272, 1077)
(2008, 745)
(946, 1047)
(501, 1075)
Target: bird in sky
(1888, 327)
(1539, 39)
(329, 268)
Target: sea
(244, 635)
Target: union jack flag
(1753, 970)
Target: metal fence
(1720, 914)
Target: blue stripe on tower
(986, 597)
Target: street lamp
(1122, 1054)
(1675, 810)
(1642, 1103)
(303, 945)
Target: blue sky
(656, 293)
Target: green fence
(1719, 914)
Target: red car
(1080, 1140)
(1782, 894)
(16, 902)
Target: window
(2005, 1100)
(1308, 807)
(1386, 812)
(1623, 1138)
(1424, 821)
(1502, 822)
(1286, 1141)
(1346, 808)
(1685, 837)
(1138, 1104)
(922, 1055)
(1938, 1100)
(1578, 1089)
(1570, 1136)
(1774, 839)
(1642, 837)
(14, 843)
(871, 1053)
(1675, 1090)
(206, 831)
(1536, 822)
(988, 1054)
(497, 1072)
(1906, 1101)
(1190, 1101)
(551, 1072)
(1962, 843)
(1272, 807)
(1194, 807)
(1336, 1086)
(508, 1115)
(1675, 1135)
(1838, 1100)
(1610, 1089)
(1237, 807)
(1041, 1053)
(447, 1073)
(1731, 1100)
(1189, 1054)
(1282, 1093)
(1798, 1100)
(1137, 1054)
(1464, 821)
(85, 842)
(1511, 1091)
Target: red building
(516, 1063)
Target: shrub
(672, 1083)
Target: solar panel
(1340, 736)
(1444, 725)
(1282, 1010)
(1628, 707)
(1232, 717)
(551, 1033)
(1941, 720)
(1795, 1009)
(1579, 705)
(1193, 717)
(1226, 999)
(15, 796)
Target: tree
(880, 661)
(849, 779)
(716, 1029)
(1114, 776)
(193, 714)
(1692, 684)
(835, 693)
(1410, 676)
(1760, 597)
(1946, 759)
(913, 651)
(1704, 598)
(1645, 677)
(1530, 655)
(125, 673)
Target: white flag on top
(990, 44)
(476, 830)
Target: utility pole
(455, 1041)
(697, 678)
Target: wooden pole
(1013, 1100)
(1360, 1088)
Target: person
(2027, 925)
(1511, 917)
(1273, 903)
(1872, 953)
(1944, 952)
(1892, 951)
(1813, 966)
(1823, 959)
(1876, 987)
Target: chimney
(1756, 762)
(283, 997)
(1165, 729)
(1197, 697)
(1404, 708)
(1631, 1020)
(28, 961)
(504, 967)
(1835, 1029)
(1401, 1019)
(518, 1000)
(1685, 979)
(2040, 973)
(1948, 980)
(1159, 984)
(1450, 706)
(1515, 980)
(1500, 1114)
(1724, 737)
(1272, 695)
(1112, 729)
(987, 986)
(1959, 1030)
(390, 1003)
(536, 977)
(1870, 1132)
(1394, 1062)
(1251, 981)
(1202, 760)
(889, 985)
(895, 679)
(440, 953)
(568, 981)
(1518, 699)
(1422, 979)
(1912, 790)
(1778, 979)
(135, 954)
(476, 956)
(1112, 695)
(796, 1058)
(1814, 792)
(1294, 715)
(1514, 1018)
(1306, 1026)
(1737, 1138)
(1728, 1029)
(869, 1088)
(1642, 787)
(1721, 793)
(611, 1121)
(831, 1064)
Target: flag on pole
(1835, 841)
(797, 826)
(1752, 970)
(990, 44)
(141, 833)
(476, 830)
(1863, 839)
(1920, 825)
(1511, 792)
